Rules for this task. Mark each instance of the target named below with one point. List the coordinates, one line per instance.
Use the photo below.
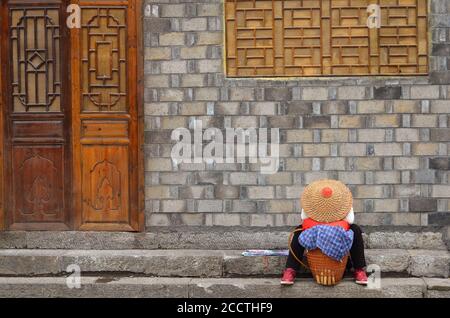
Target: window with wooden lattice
(325, 38)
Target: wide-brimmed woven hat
(327, 201)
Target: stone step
(202, 239)
(146, 287)
(202, 263)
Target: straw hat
(326, 201)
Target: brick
(196, 52)
(174, 122)
(442, 163)
(386, 121)
(334, 164)
(300, 108)
(282, 122)
(371, 135)
(243, 178)
(263, 108)
(406, 134)
(158, 164)
(424, 120)
(156, 81)
(279, 206)
(369, 192)
(406, 163)
(226, 192)
(194, 24)
(351, 121)
(335, 107)
(157, 137)
(440, 106)
(209, 38)
(171, 39)
(422, 204)
(386, 205)
(387, 92)
(225, 220)
(206, 94)
(192, 80)
(351, 92)
(158, 53)
(244, 206)
(315, 93)
(208, 177)
(173, 178)
(171, 95)
(242, 94)
(424, 176)
(261, 220)
(425, 149)
(334, 135)
(440, 191)
(371, 107)
(191, 219)
(277, 94)
(406, 106)
(298, 164)
(173, 67)
(192, 109)
(425, 92)
(205, 206)
(210, 66)
(173, 206)
(351, 177)
(406, 191)
(316, 150)
(158, 220)
(209, 10)
(156, 109)
(172, 10)
(299, 136)
(262, 192)
(159, 192)
(390, 149)
(156, 25)
(440, 134)
(352, 150)
(227, 108)
(368, 163)
(317, 122)
(283, 178)
(244, 122)
(196, 192)
(387, 177)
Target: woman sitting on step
(326, 202)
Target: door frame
(137, 173)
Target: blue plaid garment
(333, 241)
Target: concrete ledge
(185, 238)
(203, 288)
(201, 263)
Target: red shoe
(288, 276)
(360, 276)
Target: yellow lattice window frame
(325, 38)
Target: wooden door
(71, 117)
(36, 112)
(105, 111)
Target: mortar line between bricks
(424, 288)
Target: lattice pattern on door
(328, 37)
(104, 62)
(35, 59)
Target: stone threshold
(111, 287)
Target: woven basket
(326, 271)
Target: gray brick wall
(387, 138)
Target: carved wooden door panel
(105, 114)
(36, 111)
(70, 116)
